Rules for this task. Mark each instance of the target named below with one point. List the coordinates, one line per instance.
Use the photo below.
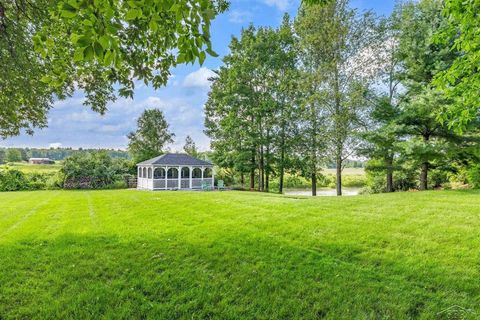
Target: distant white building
(175, 171)
(40, 161)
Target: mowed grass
(238, 255)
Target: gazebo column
(213, 180)
(203, 169)
(179, 178)
(190, 169)
(166, 175)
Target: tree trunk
(314, 184)
(252, 172)
(424, 176)
(425, 164)
(389, 162)
(339, 175)
(242, 180)
(282, 169)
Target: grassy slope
(127, 254)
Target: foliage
(333, 40)
(474, 175)
(3, 154)
(250, 112)
(151, 136)
(13, 155)
(95, 46)
(461, 80)
(94, 170)
(276, 257)
(190, 147)
(12, 179)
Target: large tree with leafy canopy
(151, 136)
(49, 48)
(336, 41)
(461, 80)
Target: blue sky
(73, 125)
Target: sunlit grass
(30, 168)
(234, 255)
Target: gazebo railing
(172, 183)
(159, 183)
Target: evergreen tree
(422, 59)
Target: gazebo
(174, 171)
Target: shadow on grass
(92, 276)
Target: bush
(403, 180)
(13, 180)
(16, 180)
(291, 181)
(354, 181)
(94, 170)
(473, 175)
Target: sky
(71, 124)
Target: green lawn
(235, 255)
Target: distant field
(128, 254)
(26, 167)
(347, 171)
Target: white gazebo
(174, 171)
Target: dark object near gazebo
(174, 171)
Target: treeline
(57, 154)
(334, 84)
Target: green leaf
(132, 14)
(68, 14)
(46, 79)
(98, 50)
(211, 52)
(153, 26)
(78, 55)
(202, 56)
(88, 53)
(108, 59)
(104, 42)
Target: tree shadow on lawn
(238, 276)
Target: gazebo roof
(175, 159)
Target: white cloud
(240, 16)
(54, 145)
(281, 5)
(199, 78)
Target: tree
(229, 120)
(461, 80)
(13, 155)
(151, 136)
(2, 156)
(383, 136)
(250, 110)
(190, 147)
(421, 60)
(95, 46)
(335, 40)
